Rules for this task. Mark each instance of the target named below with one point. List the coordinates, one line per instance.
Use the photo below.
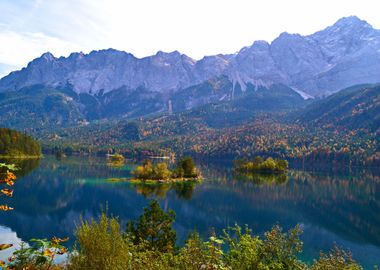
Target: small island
(259, 165)
(115, 160)
(185, 170)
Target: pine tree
(154, 228)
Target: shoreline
(153, 181)
(21, 157)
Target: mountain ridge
(304, 63)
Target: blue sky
(29, 28)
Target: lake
(51, 196)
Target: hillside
(39, 107)
(16, 144)
(47, 108)
(353, 108)
(242, 127)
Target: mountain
(109, 84)
(46, 107)
(337, 57)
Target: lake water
(52, 195)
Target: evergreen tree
(154, 228)
(188, 166)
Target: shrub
(101, 245)
(336, 259)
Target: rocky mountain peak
(48, 56)
(351, 22)
(168, 54)
(260, 44)
(347, 27)
(325, 62)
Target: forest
(17, 144)
(342, 130)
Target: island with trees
(115, 160)
(260, 165)
(185, 170)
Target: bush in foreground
(102, 245)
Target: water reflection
(342, 208)
(262, 178)
(182, 190)
(24, 166)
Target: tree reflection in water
(262, 178)
(182, 190)
(343, 208)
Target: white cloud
(17, 49)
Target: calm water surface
(52, 195)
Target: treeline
(264, 135)
(14, 143)
(150, 243)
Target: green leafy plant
(37, 254)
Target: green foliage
(145, 246)
(101, 245)
(244, 252)
(116, 160)
(193, 254)
(11, 167)
(269, 165)
(161, 171)
(149, 171)
(186, 168)
(14, 143)
(154, 229)
(37, 254)
(277, 250)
